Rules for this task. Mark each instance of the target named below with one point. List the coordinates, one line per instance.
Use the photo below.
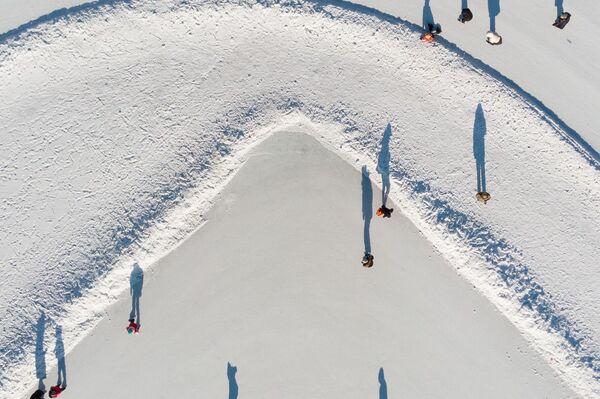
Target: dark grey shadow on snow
(233, 386)
(383, 164)
(367, 208)
(493, 10)
(479, 130)
(59, 352)
(559, 7)
(382, 385)
(40, 352)
(427, 16)
(136, 282)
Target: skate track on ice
(133, 116)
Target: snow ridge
(148, 107)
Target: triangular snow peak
(273, 285)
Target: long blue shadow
(479, 130)
(233, 386)
(59, 352)
(40, 352)
(383, 164)
(367, 208)
(427, 16)
(382, 385)
(136, 283)
(494, 11)
(559, 7)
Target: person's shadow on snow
(493, 10)
(40, 352)
(382, 385)
(233, 386)
(383, 164)
(367, 208)
(59, 352)
(479, 130)
(136, 283)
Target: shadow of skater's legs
(233, 386)
(136, 283)
(383, 163)
(382, 385)
(40, 352)
(479, 131)
(59, 352)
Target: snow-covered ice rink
(172, 134)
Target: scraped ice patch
(122, 121)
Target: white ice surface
(272, 283)
(110, 118)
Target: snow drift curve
(122, 120)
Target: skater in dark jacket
(562, 20)
(39, 394)
(465, 15)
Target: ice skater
(56, 390)
(465, 15)
(133, 327)
(385, 212)
(367, 260)
(482, 196)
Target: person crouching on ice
(133, 327)
(55, 391)
(384, 212)
(433, 30)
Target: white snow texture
(121, 122)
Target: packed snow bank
(272, 284)
(122, 121)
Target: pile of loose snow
(122, 121)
